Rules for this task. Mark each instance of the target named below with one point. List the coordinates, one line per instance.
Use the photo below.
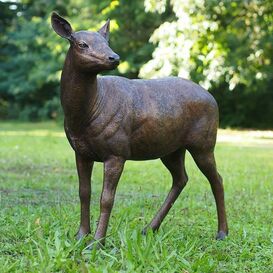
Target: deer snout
(114, 58)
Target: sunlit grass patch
(245, 137)
(39, 209)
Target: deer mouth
(114, 62)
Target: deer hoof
(94, 244)
(147, 229)
(81, 234)
(221, 235)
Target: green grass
(39, 210)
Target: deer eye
(83, 45)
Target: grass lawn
(39, 209)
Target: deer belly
(155, 141)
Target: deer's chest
(99, 147)
(81, 146)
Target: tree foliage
(226, 46)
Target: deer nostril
(114, 58)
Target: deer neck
(79, 95)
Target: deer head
(89, 51)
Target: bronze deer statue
(112, 119)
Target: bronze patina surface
(112, 119)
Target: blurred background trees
(226, 46)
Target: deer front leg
(112, 171)
(84, 168)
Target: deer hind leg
(206, 163)
(175, 164)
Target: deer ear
(61, 26)
(104, 30)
